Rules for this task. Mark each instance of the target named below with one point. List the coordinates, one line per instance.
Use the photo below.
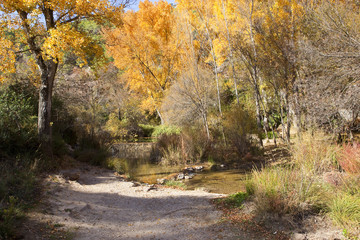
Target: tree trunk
(258, 116)
(288, 120)
(48, 72)
(162, 122)
(206, 124)
(230, 52)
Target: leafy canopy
(50, 28)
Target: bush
(165, 130)
(167, 150)
(304, 185)
(18, 131)
(349, 158)
(8, 218)
(285, 190)
(172, 156)
(147, 129)
(195, 144)
(314, 154)
(238, 125)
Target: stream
(220, 181)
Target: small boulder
(199, 168)
(161, 181)
(180, 176)
(191, 175)
(152, 187)
(136, 184)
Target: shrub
(165, 130)
(285, 190)
(238, 124)
(167, 150)
(17, 191)
(18, 132)
(195, 144)
(349, 158)
(147, 129)
(8, 218)
(314, 154)
(172, 156)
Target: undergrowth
(321, 177)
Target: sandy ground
(100, 205)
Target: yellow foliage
(146, 49)
(45, 28)
(7, 56)
(64, 39)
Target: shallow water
(224, 181)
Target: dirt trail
(99, 205)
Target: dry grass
(303, 186)
(285, 190)
(349, 158)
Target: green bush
(18, 129)
(147, 129)
(165, 129)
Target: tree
(330, 66)
(200, 14)
(48, 30)
(147, 50)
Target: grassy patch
(234, 200)
(344, 209)
(312, 183)
(286, 190)
(175, 184)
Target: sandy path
(99, 205)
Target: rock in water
(180, 176)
